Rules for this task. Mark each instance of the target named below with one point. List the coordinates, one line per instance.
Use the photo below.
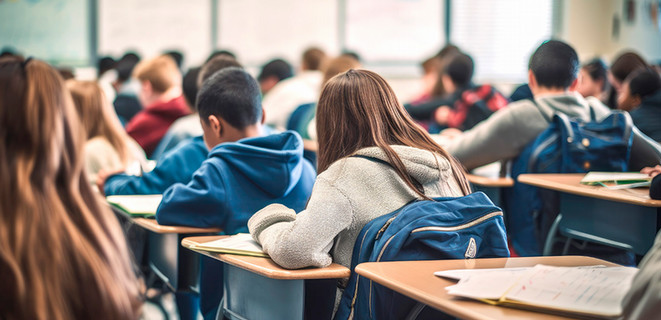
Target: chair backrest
(446, 228)
(645, 152)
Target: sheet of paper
(465, 273)
(238, 242)
(589, 290)
(137, 204)
(489, 285)
(597, 176)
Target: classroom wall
(588, 25)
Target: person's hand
(103, 175)
(451, 133)
(652, 171)
(442, 114)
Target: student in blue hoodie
(243, 173)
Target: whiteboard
(151, 27)
(56, 31)
(395, 30)
(258, 30)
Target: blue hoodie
(237, 180)
(177, 165)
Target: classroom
(330, 159)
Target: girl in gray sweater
(373, 159)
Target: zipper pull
(385, 226)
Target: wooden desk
(491, 186)
(257, 288)
(624, 219)
(416, 280)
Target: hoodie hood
(278, 157)
(423, 165)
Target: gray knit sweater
(504, 135)
(345, 197)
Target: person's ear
(532, 82)
(636, 101)
(216, 126)
(263, 116)
(147, 88)
(573, 85)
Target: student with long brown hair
(108, 147)
(62, 253)
(373, 159)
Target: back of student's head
(554, 65)
(460, 69)
(97, 116)
(214, 65)
(597, 70)
(63, 253)
(233, 95)
(277, 68)
(363, 107)
(643, 83)
(338, 65)
(177, 56)
(313, 58)
(625, 64)
(104, 64)
(352, 54)
(190, 86)
(448, 50)
(220, 53)
(125, 66)
(161, 72)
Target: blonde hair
(62, 252)
(98, 118)
(364, 109)
(161, 72)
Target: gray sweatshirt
(644, 298)
(345, 197)
(504, 135)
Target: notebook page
(589, 290)
(238, 242)
(137, 204)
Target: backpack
(445, 228)
(566, 146)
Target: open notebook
(136, 205)
(241, 244)
(591, 292)
(617, 180)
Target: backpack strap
(416, 183)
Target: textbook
(136, 205)
(617, 180)
(241, 244)
(589, 292)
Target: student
(593, 79)
(244, 171)
(641, 96)
(552, 79)
(465, 104)
(351, 190)
(176, 165)
(161, 94)
(273, 72)
(185, 127)
(643, 300)
(62, 252)
(288, 94)
(620, 69)
(108, 147)
(126, 101)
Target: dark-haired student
(465, 104)
(273, 72)
(243, 173)
(643, 301)
(593, 79)
(126, 101)
(641, 96)
(623, 65)
(552, 79)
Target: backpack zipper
(385, 226)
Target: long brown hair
(358, 109)
(62, 252)
(98, 117)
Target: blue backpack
(446, 228)
(566, 146)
